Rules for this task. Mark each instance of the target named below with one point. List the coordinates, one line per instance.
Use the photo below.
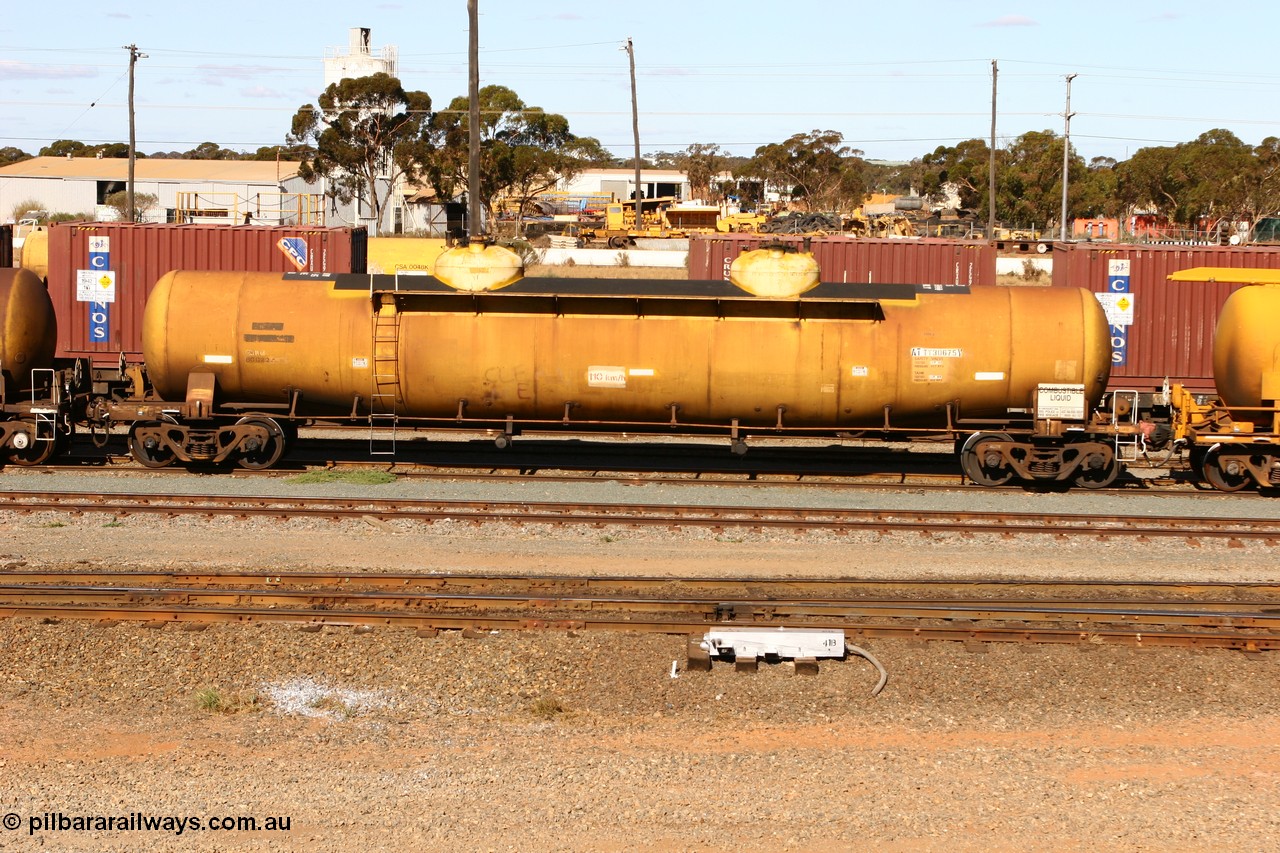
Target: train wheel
(982, 463)
(269, 452)
(148, 452)
(35, 453)
(1223, 472)
(1099, 478)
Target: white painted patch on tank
(606, 377)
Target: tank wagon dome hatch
(477, 267)
(776, 271)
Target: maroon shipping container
(1173, 321)
(122, 262)
(857, 259)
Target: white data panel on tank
(1060, 402)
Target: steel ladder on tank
(384, 395)
(45, 416)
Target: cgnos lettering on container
(606, 377)
(1060, 402)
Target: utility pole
(134, 56)
(635, 125)
(1066, 155)
(991, 165)
(475, 229)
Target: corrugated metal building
(205, 191)
(80, 185)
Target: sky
(897, 80)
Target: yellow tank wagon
(1234, 440)
(698, 358)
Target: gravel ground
(385, 740)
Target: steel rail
(314, 620)
(871, 480)
(714, 611)
(529, 512)
(994, 589)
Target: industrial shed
(186, 190)
(210, 191)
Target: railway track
(659, 464)
(1244, 617)
(1141, 528)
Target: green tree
(115, 151)
(701, 163)
(961, 168)
(1217, 168)
(524, 150)
(1096, 194)
(1265, 178)
(66, 148)
(289, 153)
(814, 167)
(1148, 180)
(1029, 180)
(12, 155)
(1214, 176)
(211, 151)
(366, 135)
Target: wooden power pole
(475, 228)
(991, 164)
(635, 127)
(130, 210)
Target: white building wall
(80, 195)
(52, 194)
(621, 182)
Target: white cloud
(13, 70)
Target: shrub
(355, 478)
(546, 708)
(142, 205)
(528, 254)
(212, 701)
